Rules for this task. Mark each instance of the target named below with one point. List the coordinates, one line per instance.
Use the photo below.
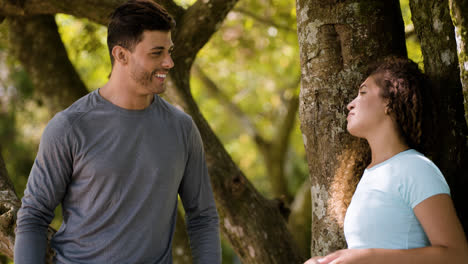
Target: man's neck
(123, 94)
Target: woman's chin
(353, 131)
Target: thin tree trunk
(459, 13)
(434, 27)
(337, 40)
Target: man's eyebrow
(362, 86)
(162, 48)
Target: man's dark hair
(129, 20)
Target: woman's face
(367, 110)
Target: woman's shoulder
(415, 162)
(419, 178)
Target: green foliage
(185, 3)
(86, 46)
(412, 42)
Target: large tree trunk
(253, 225)
(434, 27)
(337, 40)
(459, 12)
(36, 42)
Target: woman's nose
(350, 106)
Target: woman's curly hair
(407, 89)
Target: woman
(401, 211)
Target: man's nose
(168, 63)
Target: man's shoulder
(177, 112)
(78, 108)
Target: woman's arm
(439, 220)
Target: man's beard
(143, 78)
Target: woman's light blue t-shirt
(381, 211)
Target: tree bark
(337, 40)
(253, 225)
(435, 30)
(9, 205)
(459, 11)
(35, 41)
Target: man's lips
(160, 75)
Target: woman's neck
(385, 145)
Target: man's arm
(46, 187)
(197, 197)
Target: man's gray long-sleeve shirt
(117, 173)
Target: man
(116, 160)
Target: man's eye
(362, 92)
(156, 53)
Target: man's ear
(120, 54)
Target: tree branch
(287, 123)
(263, 20)
(36, 42)
(216, 92)
(208, 17)
(98, 11)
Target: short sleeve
(420, 180)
